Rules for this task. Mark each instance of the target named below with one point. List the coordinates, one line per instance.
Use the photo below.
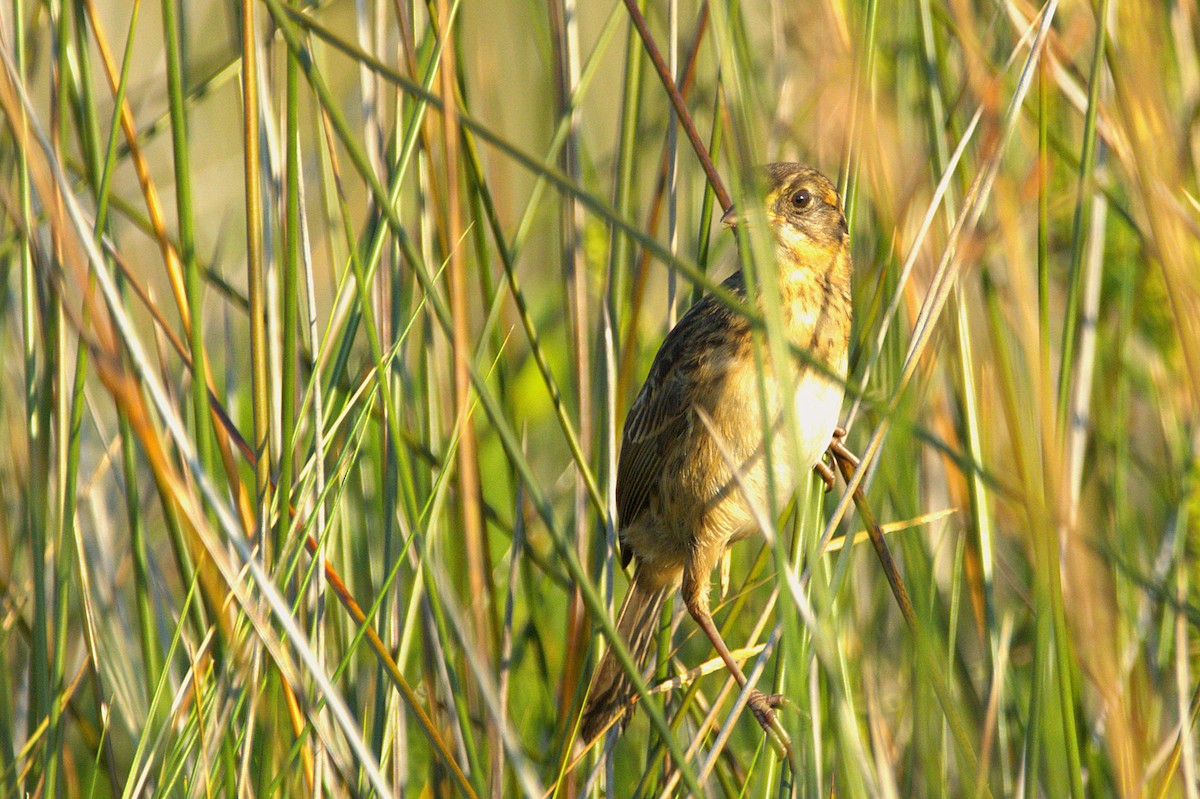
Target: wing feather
(663, 411)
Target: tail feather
(609, 699)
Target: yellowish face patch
(796, 248)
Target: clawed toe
(763, 706)
(826, 474)
(835, 449)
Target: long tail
(612, 690)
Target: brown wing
(659, 415)
(662, 412)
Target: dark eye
(802, 198)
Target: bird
(693, 458)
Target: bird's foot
(826, 474)
(839, 451)
(835, 449)
(763, 707)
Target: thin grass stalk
(795, 667)
(185, 219)
(37, 416)
(1043, 232)
(317, 629)
(270, 537)
(672, 197)
(973, 421)
(99, 170)
(623, 199)
(145, 604)
(492, 338)
(672, 181)
(506, 638)
(864, 81)
(289, 333)
(1066, 388)
(1033, 742)
(563, 15)
(1085, 362)
(1075, 446)
(955, 602)
(59, 420)
(392, 293)
(372, 107)
(289, 327)
(1080, 224)
(612, 384)
(617, 275)
(255, 273)
(468, 475)
(714, 151)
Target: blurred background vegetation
(320, 320)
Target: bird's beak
(730, 218)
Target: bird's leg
(836, 447)
(695, 596)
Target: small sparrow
(698, 421)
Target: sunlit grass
(309, 486)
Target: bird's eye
(802, 198)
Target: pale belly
(818, 402)
(720, 491)
(741, 496)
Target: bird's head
(802, 207)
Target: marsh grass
(320, 323)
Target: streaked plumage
(678, 505)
